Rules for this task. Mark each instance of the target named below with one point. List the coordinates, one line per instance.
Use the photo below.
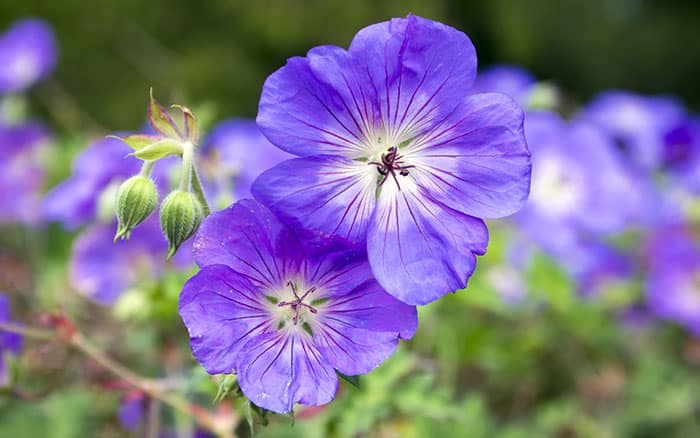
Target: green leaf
(158, 150)
(161, 121)
(137, 141)
(353, 380)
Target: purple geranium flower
(580, 187)
(103, 163)
(21, 173)
(639, 123)
(232, 156)
(285, 315)
(27, 54)
(673, 286)
(393, 149)
(10, 343)
(510, 80)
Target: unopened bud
(137, 197)
(180, 216)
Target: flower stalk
(220, 426)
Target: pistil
(298, 303)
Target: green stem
(146, 168)
(198, 191)
(220, 427)
(187, 164)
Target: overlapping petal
(276, 371)
(220, 297)
(248, 238)
(332, 194)
(476, 160)
(420, 249)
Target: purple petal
(331, 194)
(420, 249)
(397, 76)
(27, 54)
(222, 310)
(361, 329)
(248, 238)
(276, 371)
(476, 161)
(130, 412)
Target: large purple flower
(673, 286)
(27, 54)
(21, 173)
(10, 343)
(282, 314)
(394, 150)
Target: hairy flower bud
(137, 197)
(180, 216)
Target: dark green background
(220, 51)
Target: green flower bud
(180, 216)
(137, 197)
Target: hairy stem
(220, 427)
(198, 191)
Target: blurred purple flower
(580, 187)
(673, 286)
(284, 315)
(234, 153)
(394, 151)
(10, 343)
(604, 266)
(21, 173)
(510, 80)
(27, 54)
(103, 162)
(639, 123)
(102, 270)
(131, 410)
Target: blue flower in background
(581, 188)
(103, 163)
(22, 172)
(673, 285)
(394, 150)
(232, 155)
(10, 343)
(284, 311)
(638, 123)
(510, 80)
(28, 54)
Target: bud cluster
(182, 211)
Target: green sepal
(191, 124)
(161, 121)
(353, 380)
(160, 149)
(137, 141)
(136, 199)
(228, 384)
(180, 216)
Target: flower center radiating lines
(390, 164)
(297, 304)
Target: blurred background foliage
(557, 366)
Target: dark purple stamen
(297, 304)
(390, 164)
